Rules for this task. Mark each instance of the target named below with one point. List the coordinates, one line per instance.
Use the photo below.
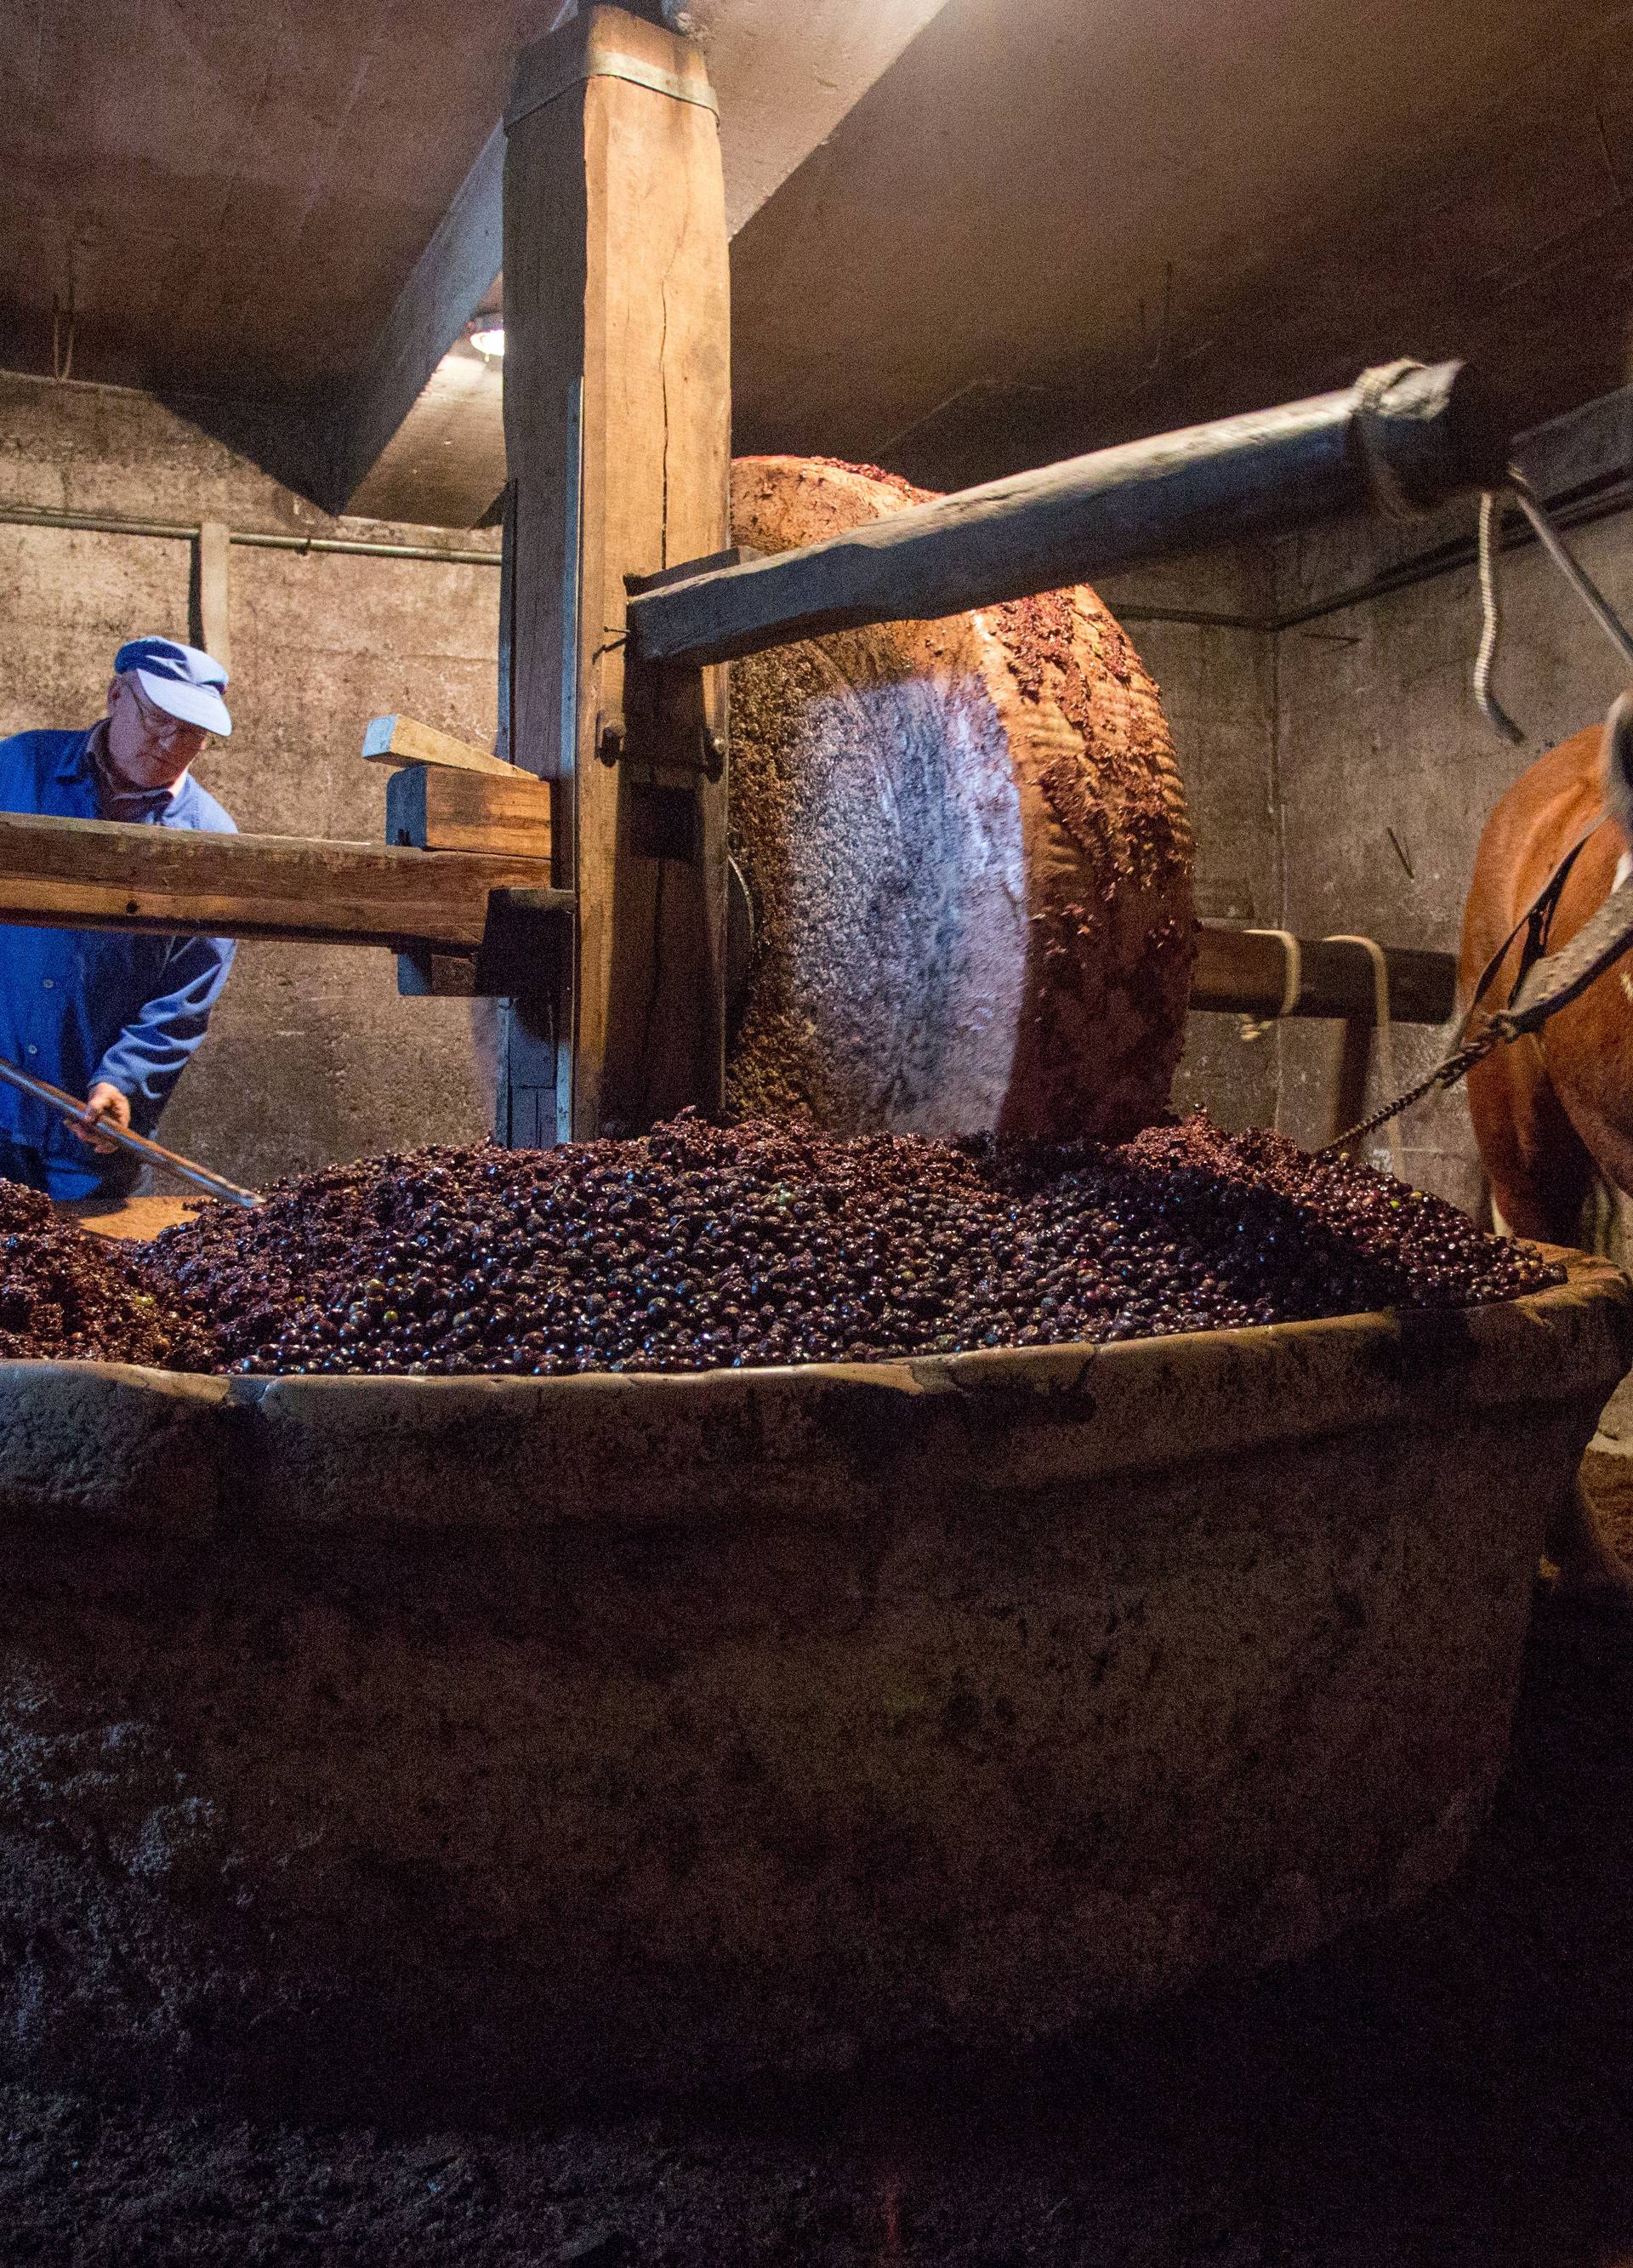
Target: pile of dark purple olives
(70, 1296)
(702, 1248)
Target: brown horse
(1554, 1111)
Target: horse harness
(1543, 984)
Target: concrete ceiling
(784, 78)
(1052, 226)
(221, 198)
(231, 193)
(970, 236)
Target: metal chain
(1494, 1034)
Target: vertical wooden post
(618, 432)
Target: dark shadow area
(1454, 2086)
(296, 443)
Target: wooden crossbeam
(450, 280)
(429, 809)
(93, 874)
(1412, 443)
(1245, 972)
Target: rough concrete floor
(1452, 2087)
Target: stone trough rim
(169, 1450)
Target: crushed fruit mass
(702, 1248)
(79, 1298)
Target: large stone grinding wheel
(966, 847)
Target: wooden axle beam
(1244, 972)
(1405, 437)
(93, 874)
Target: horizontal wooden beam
(1245, 972)
(93, 873)
(1410, 438)
(429, 809)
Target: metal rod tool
(183, 1169)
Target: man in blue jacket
(106, 1013)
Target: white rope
(1383, 1026)
(1491, 607)
(1491, 620)
(1255, 1027)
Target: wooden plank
(617, 424)
(405, 740)
(214, 585)
(1263, 474)
(127, 1218)
(451, 279)
(1244, 971)
(428, 809)
(93, 874)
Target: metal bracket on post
(665, 723)
(666, 744)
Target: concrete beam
(784, 78)
(455, 271)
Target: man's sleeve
(151, 1053)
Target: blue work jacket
(78, 1005)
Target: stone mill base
(363, 1739)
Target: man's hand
(104, 1102)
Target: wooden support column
(521, 1039)
(618, 435)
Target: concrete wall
(1377, 730)
(1340, 772)
(1218, 693)
(312, 1056)
(1301, 752)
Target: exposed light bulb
(486, 334)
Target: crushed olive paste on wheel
(702, 1248)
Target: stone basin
(367, 1739)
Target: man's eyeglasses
(160, 727)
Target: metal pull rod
(183, 1169)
